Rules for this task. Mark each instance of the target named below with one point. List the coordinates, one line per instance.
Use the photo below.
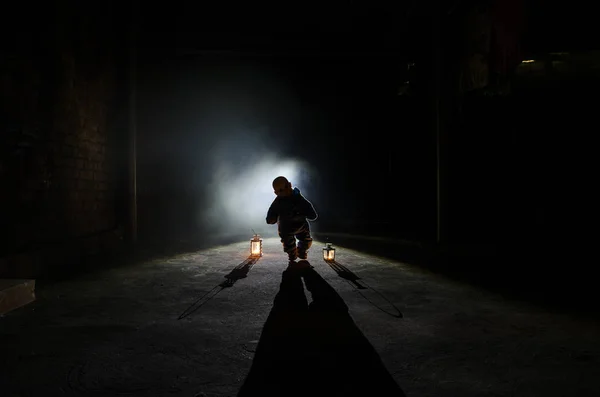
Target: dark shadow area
(239, 272)
(352, 279)
(165, 246)
(314, 349)
(145, 249)
(516, 272)
(405, 251)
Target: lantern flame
(256, 246)
(328, 252)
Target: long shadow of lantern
(239, 272)
(362, 287)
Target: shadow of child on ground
(314, 349)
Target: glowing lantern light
(329, 252)
(256, 246)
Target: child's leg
(304, 242)
(289, 245)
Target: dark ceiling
(323, 27)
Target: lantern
(329, 252)
(256, 246)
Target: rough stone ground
(167, 327)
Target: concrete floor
(177, 326)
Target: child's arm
(272, 213)
(308, 209)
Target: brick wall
(60, 140)
(83, 173)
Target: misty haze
(447, 149)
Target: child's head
(282, 187)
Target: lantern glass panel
(256, 246)
(331, 254)
(328, 252)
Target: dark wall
(61, 87)
(518, 167)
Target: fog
(239, 191)
(213, 136)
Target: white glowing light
(241, 190)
